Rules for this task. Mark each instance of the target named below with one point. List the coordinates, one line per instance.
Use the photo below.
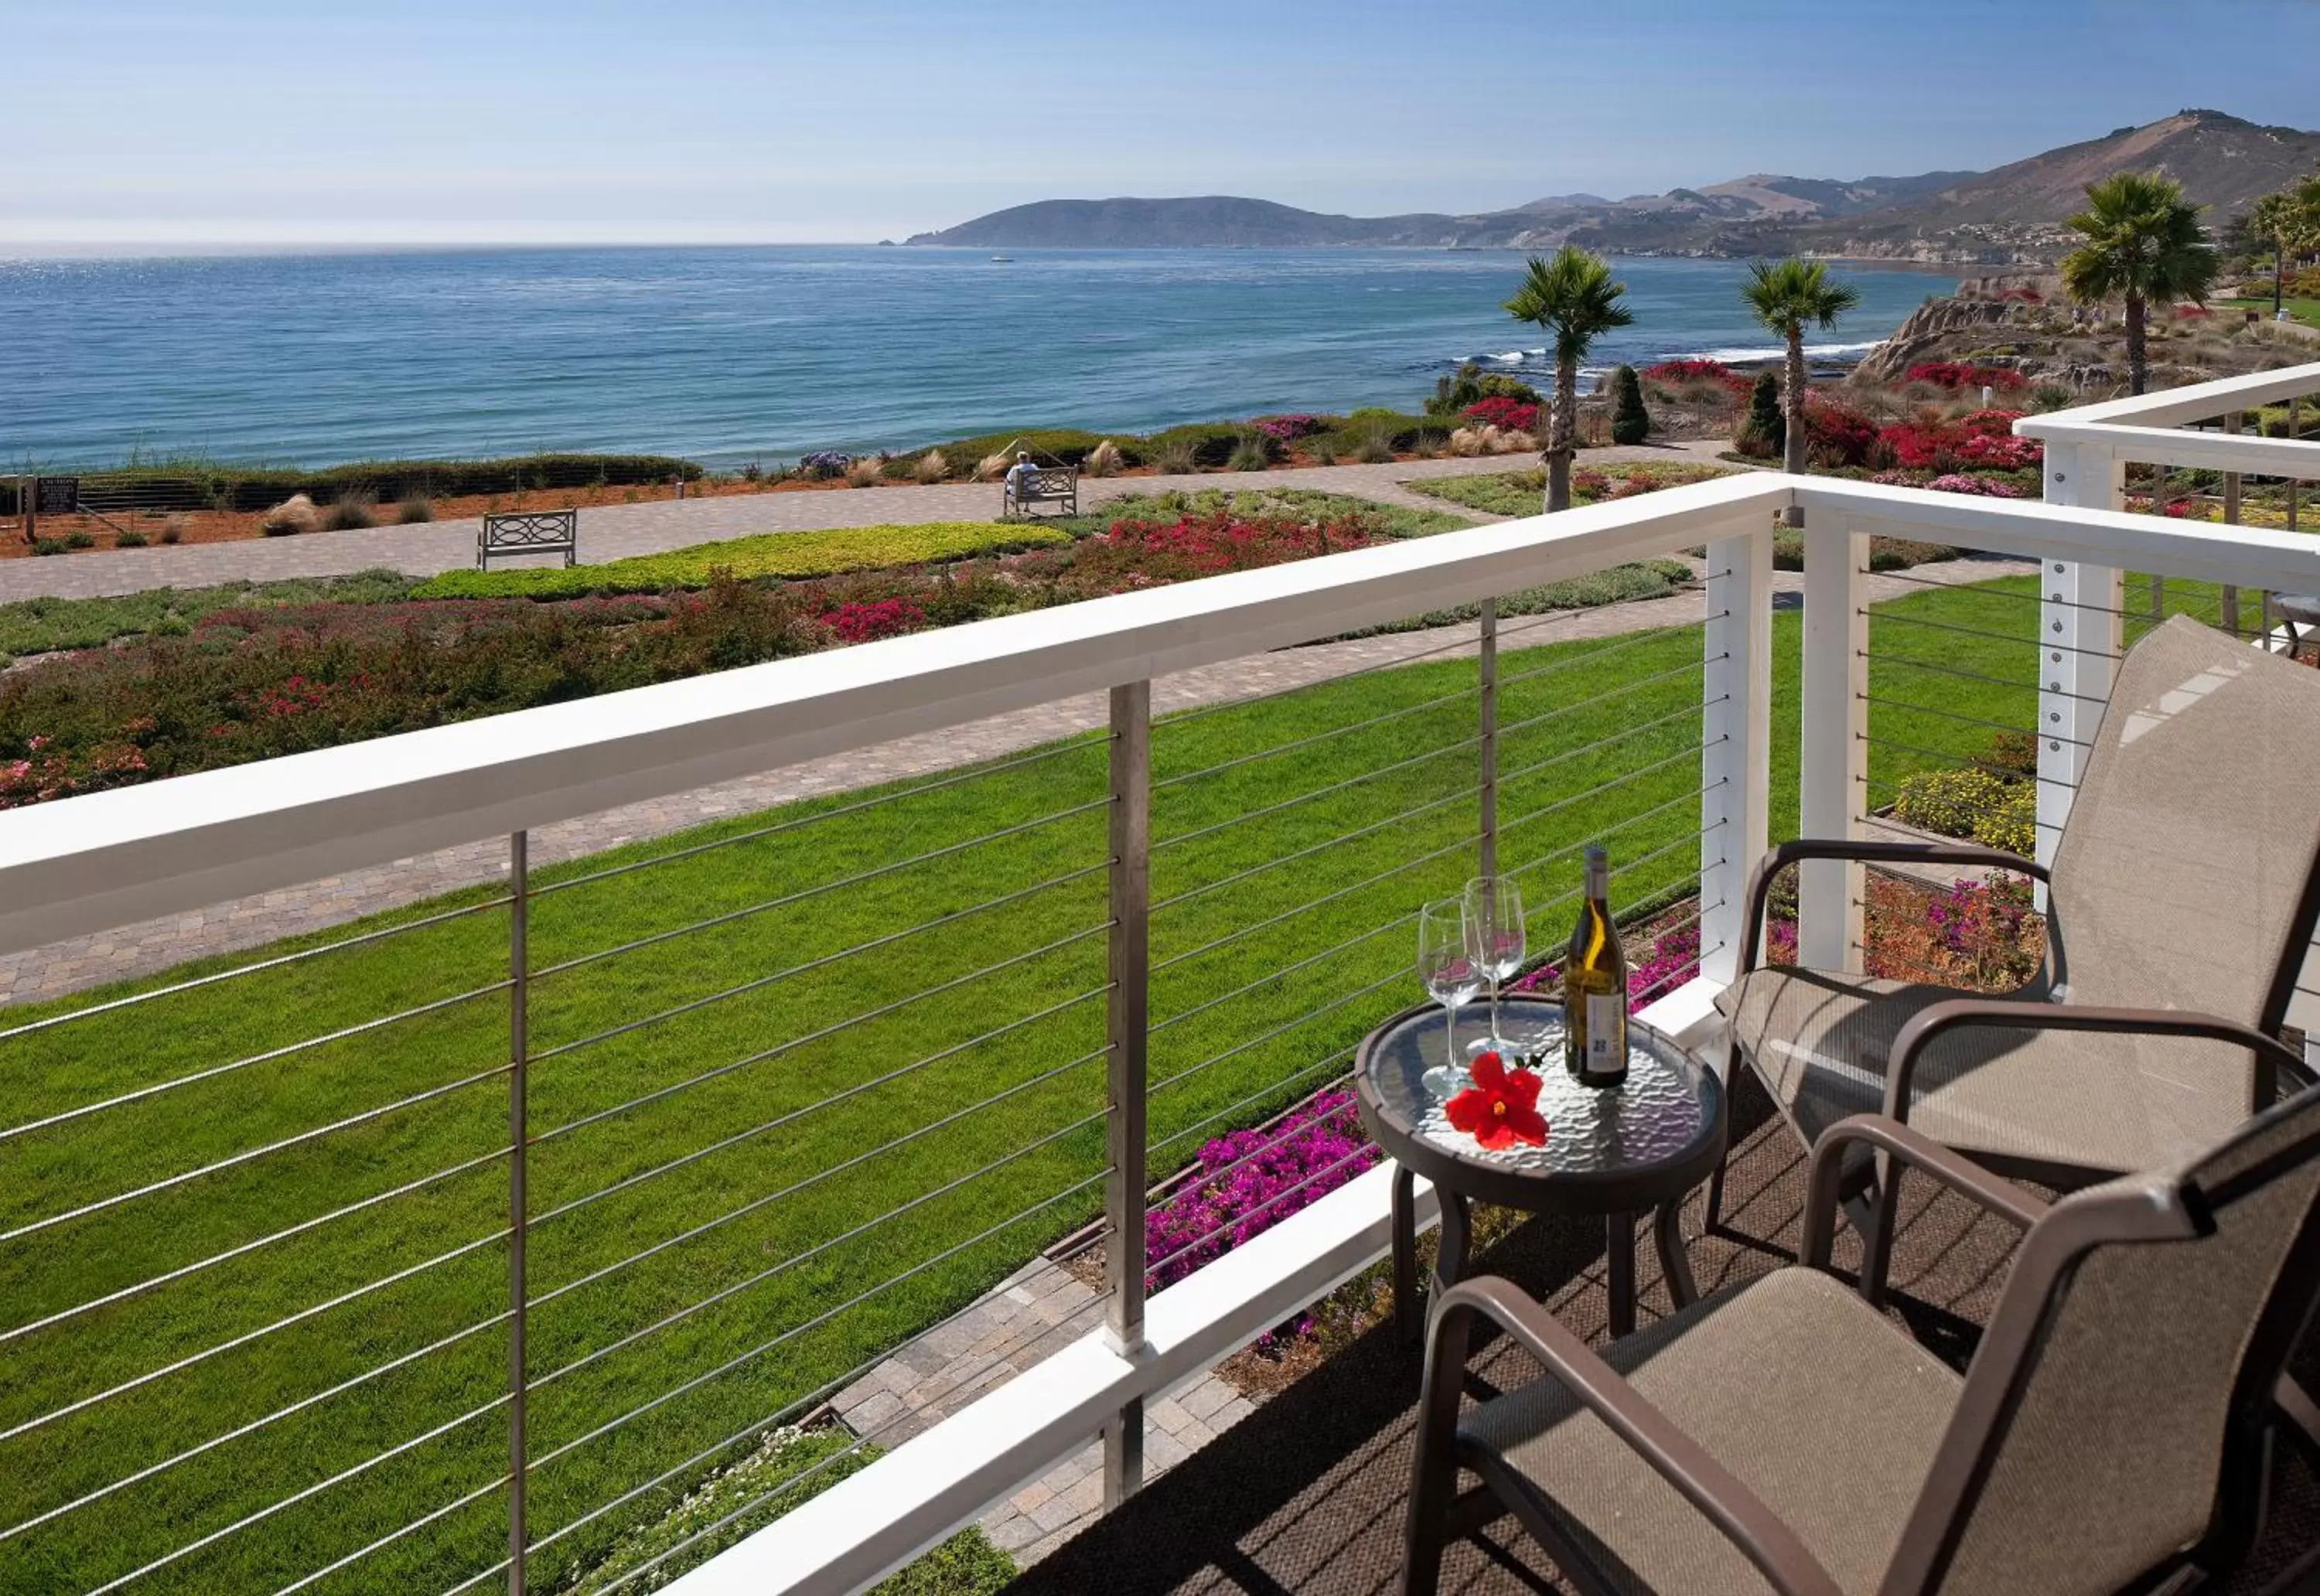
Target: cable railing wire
(759, 983)
(795, 1043)
(239, 1159)
(1897, 618)
(1355, 835)
(819, 890)
(1923, 709)
(1277, 750)
(1075, 745)
(1310, 1015)
(271, 1055)
(1307, 797)
(135, 998)
(1271, 977)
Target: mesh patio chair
(2180, 907)
(2110, 1434)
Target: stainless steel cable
(1922, 709)
(362, 1027)
(761, 982)
(1591, 656)
(795, 1043)
(1353, 836)
(495, 1155)
(1302, 798)
(1079, 744)
(1286, 914)
(392, 1536)
(135, 998)
(1273, 976)
(1277, 750)
(2032, 642)
(1367, 1150)
(239, 1159)
(1333, 1059)
(1656, 765)
(1967, 676)
(819, 890)
(1307, 1017)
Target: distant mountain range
(2009, 216)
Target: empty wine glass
(1494, 908)
(1450, 966)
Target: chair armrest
(1760, 885)
(1968, 1179)
(1737, 1512)
(2270, 1054)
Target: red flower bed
(1836, 434)
(1511, 415)
(1695, 371)
(1985, 437)
(858, 623)
(1137, 554)
(1957, 373)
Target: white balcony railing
(73, 1350)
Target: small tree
(1764, 434)
(1576, 299)
(1785, 295)
(2144, 242)
(1630, 421)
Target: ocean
(740, 354)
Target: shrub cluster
(1511, 415)
(1980, 803)
(1983, 438)
(1470, 384)
(1672, 373)
(251, 489)
(1964, 375)
(1631, 424)
(791, 555)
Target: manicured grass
(1293, 504)
(790, 555)
(2306, 311)
(38, 625)
(1517, 492)
(823, 1211)
(1322, 888)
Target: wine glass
(1450, 966)
(1494, 908)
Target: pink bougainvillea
(1251, 1181)
(1508, 415)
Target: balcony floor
(1306, 1494)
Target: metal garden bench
(1057, 485)
(528, 531)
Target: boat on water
(1003, 259)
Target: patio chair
(2186, 883)
(1783, 1435)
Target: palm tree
(2289, 221)
(1784, 295)
(1575, 300)
(2144, 242)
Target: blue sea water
(728, 355)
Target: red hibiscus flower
(1500, 1108)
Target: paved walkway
(1035, 1314)
(156, 945)
(615, 531)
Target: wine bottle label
(1606, 1034)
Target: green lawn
(1294, 503)
(2306, 311)
(828, 1210)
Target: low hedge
(1972, 802)
(190, 484)
(1048, 446)
(789, 555)
(1211, 442)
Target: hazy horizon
(137, 126)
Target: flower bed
(1252, 1180)
(1983, 438)
(1959, 374)
(1288, 429)
(1674, 372)
(1507, 415)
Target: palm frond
(1573, 296)
(1788, 295)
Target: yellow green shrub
(789, 555)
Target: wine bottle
(1595, 986)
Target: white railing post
(2079, 638)
(1737, 740)
(1833, 754)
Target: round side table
(1610, 1153)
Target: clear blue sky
(681, 120)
